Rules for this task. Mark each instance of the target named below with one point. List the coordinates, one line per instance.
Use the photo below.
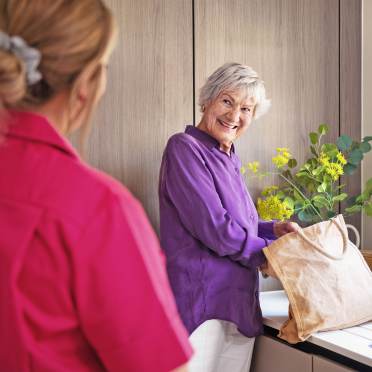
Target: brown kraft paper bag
(327, 281)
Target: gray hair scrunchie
(31, 57)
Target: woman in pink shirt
(82, 280)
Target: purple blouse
(210, 233)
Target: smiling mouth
(227, 125)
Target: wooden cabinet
(323, 365)
(272, 355)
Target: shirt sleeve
(266, 230)
(189, 185)
(127, 310)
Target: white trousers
(220, 347)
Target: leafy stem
(302, 195)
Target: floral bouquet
(312, 191)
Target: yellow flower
(253, 166)
(323, 159)
(335, 170)
(341, 158)
(273, 208)
(282, 149)
(282, 157)
(280, 161)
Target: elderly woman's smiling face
(227, 117)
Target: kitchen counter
(354, 343)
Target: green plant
(312, 191)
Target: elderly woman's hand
(282, 228)
(267, 270)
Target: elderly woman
(210, 230)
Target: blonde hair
(231, 76)
(71, 35)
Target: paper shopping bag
(327, 281)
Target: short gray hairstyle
(233, 76)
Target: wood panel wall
(307, 51)
(149, 94)
(288, 43)
(350, 86)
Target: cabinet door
(271, 355)
(149, 94)
(323, 365)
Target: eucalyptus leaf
(344, 142)
(298, 204)
(367, 138)
(355, 157)
(305, 216)
(350, 169)
(365, 147)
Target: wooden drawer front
(324, 365)
(273, 356)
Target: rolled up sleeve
(266, 230)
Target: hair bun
(13, 85)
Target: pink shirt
(82, 279)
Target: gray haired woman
(209, 226)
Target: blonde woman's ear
(84, 95)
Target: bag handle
(319, 249)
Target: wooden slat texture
(350, 86)
(272, 355)
(288, 43)
(367, 111)
(149, 95)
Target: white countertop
(354, 343)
